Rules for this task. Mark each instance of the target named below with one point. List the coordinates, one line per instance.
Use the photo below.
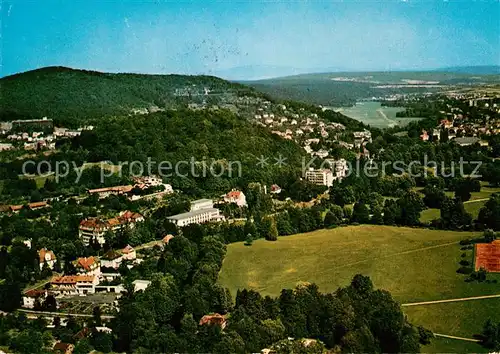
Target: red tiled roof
(99, 224)
(86, 262)
(62, 346)
(487, 256)
(233, 194)
(120, 189)
(43, 252)
(130, 216)
(72, 279)
(128, 249)
(93, 223)
(34, 293)
(167, 238)
(37, 205)
(215, 319)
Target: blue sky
(216, 37)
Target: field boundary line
(455, 337)
(476, 200)
(451, 300)
(398, 254)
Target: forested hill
(68, 95)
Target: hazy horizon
(234, 40)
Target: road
(452, 300)
(477, 200)
(459, 338)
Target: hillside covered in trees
(69, 95)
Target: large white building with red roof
(74, 284)
(236, 197)
(96, 228)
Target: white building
(74, 284)
(202, 210)
(140, 284)
(30, 297)
(322, 177)
(236, 197)
(111, 259)
(339, 168)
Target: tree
(330, 219)
(83, 347)
(272, 234)
(453, 214)
(489, 215)
(342, 195)
(489, 236)
(360, 213)
(249, 240)
(491, 335)
(96, 316)
(433, 197)
(46, 271)
(35, 196)
(392, 212)
(411, 205)
(272, 331)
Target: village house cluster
(34, 134)
(473, 118)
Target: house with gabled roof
(111, 259)
(214, 320)
(128, 253)
(46, 256)
(88, 266)
(236, 197)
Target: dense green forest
(69, 95)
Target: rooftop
(192, 213)
(72, 279)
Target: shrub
(465, 270)
(464, 262)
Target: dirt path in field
(477, 200)
(398, 254)
(392, 123)
(459, 338)
(451, 300)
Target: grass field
(472, 208)
(445, 345)
(104, 165)
(39, 179)
(375, 115)
(462, 319)
(413, 264)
